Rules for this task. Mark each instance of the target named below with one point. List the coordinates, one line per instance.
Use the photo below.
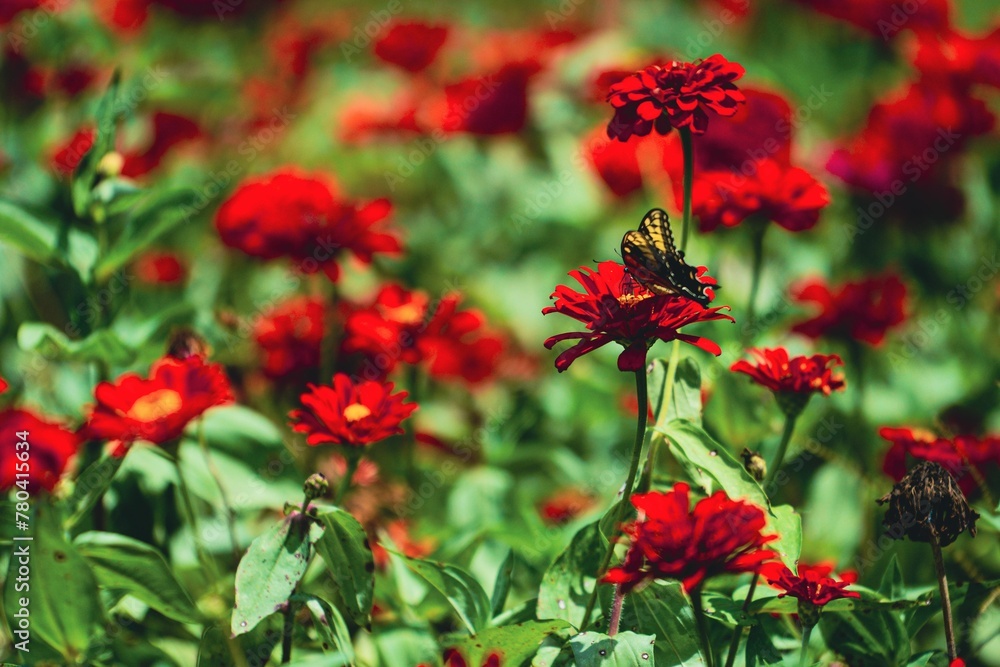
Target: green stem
(640, 434)
(786, 436)
(804, 651)
(687, 150)
(286, 634)
(758, 263)
(702, 625)
(734, 644)
(211, 572)
(616, 611)
(227, 509)
(345, 482)
(949, 629)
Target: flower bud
(316, 486)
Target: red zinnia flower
(411, 46)
(346, 413)
(885, 18)
(786, 195)
(168, 130)
(813, 583)
(290, 335)
(159, 267)
(67, 156)
(488, 104)
(51, 448)
(288, 214)
(672, 541)
(617, 309)
(674, 96)
(957, 455)
(565, 505)
(3, 385)
(863, 310)
(159, 407)
(775, 370)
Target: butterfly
(654, 261)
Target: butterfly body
(653, 260)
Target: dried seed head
(754, 464)
(927, 503)
(185, 342)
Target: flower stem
(738, 630)
(640, 434)
(227, 509)
(345, 482)
(758, 263)
(688, 152)
(286, 634)
(616, 611)
(786, 436)
(949, 630)
(211, 571)
(804, 650)
(702, 625)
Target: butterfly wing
(652, 258)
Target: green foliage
(348, 556)
(569, 581)
(464, 594)
(625, 649)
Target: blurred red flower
(565, 505)
(775, 370)
(864, 310)
(284, 213)
(615, 308)
(51, 447)
(160, 267)
(412, 45)
(959, 455)
(491, 103)
(67, 155)
(398, 531)
(3, 385)
(363, 119)
(290, 336)
(620, 164)
(672, 541)
(953, 57)
(349, 413)
(813, 583)
(786, 195)
(674, 96)
(157, 408)
(168, 130)
(453, 658)
(131, 15)
(885, 18)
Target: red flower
(66, 156)
(159, 407)
(565, 505)
(885, 18)
(398, 531)
(617, 309)
(488, 104)
(411, 46)
(363, 119)
(671, 541)
(863, 310)
(786, 195)
(159, 267)
(50, 449)
(813, 583)
(620, 163)
(348, 413)
(287, 214)
(953, 57)
(168, 130)
(290, 336)
(3, 385)
(674, 96)
(796, 375)
(11, 8)
(959, 455)
(456, 346)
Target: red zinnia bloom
(346, 413)
(565, 505)
(67, 156)
(620, 163)
(363, 119)
(956, 455)
(411, 46)
(398, 531)
(168, 130)
(488, 104)
(51, 448)
(863, 310)
(290, 336)
(775, 370)
(885, 18)
(288, 214)
(159, 267)
(672, 541)
(674, 96)
(813, 583)
(3, 385)
(617, 309)
(159, 407)
(786, 195)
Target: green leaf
(663, 610)
(406, 646)
(569, 581)
(866, 636)
(502, 586)
(685, 400)
(348, 556)
(626, 649)
(516, 643)
(51, 343)
(63, 598)
(921, 659)
(90, 486)
(331, 625)
(462, 591)
(269, 571)
(26, 233)
(891, 585)
(236, 429)
(787, 524)
(212, 649)
(135, 567)
(760, 648)
(86, 170)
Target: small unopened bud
(926, 505)
(111, 164)
(316, 486)
(754, 464)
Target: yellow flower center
(405, 314)
(629, 300)
(155, 405)
(356, 411)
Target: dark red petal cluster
(3, 385)
(786, 195)
(65, 156)
(485, 104)
(813, 583)
(159, 267)
(615, 308)
(158, 407)
(51, 447)
(412, 46)
(620, 164)
(349, 413)
(290, 336)
(677, 95)
(167, 131)
(864, 310)
(966, 457)
(775, 370)
(672, 541)
(886, 18)
(287, 214)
